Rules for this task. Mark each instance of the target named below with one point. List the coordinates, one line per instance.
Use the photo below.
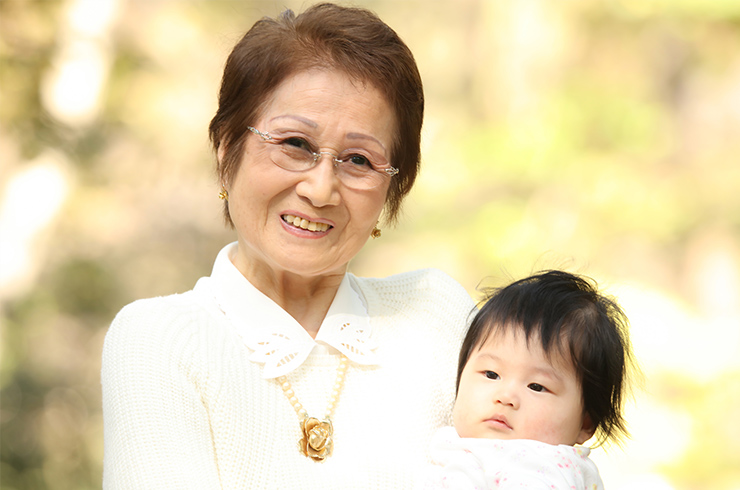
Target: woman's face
(335, 113)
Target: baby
(542, 368)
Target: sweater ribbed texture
(184, 408)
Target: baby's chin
(496, 433)
(487, 431)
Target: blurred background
(598, 136)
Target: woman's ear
(221, 152)
(587, 430)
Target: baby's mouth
(304, 224)
(500, 421)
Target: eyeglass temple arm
(265, 136)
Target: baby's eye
(491, 375)
(537, 387)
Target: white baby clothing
(468, 463)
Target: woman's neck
(307, 299)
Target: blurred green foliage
(598, 136)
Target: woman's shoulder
(429, 281)
(159, 306)
(162, 317)
(425, 288)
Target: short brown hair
(353, 40)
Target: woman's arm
(157, 432)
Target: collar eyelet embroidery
(276, 340)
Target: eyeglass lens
(354, 170)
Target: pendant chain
(317, 441)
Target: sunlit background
(598, 136)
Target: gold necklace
(317, 441)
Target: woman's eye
(491, 375)
(297, 143)
(537, 387)
(359, 160)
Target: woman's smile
(316, 227)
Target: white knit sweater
(184, 407)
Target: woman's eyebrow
(298, 118)
(360, 136)
(313, 124)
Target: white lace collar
(275, 337)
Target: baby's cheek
(460, 418)
(455, 413)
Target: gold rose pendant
(316, 442)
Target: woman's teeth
(304, 223)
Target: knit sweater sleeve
(157, 432)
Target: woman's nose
(320, 184)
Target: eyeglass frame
(266, 136)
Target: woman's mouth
(304, 224)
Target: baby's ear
(587, 430)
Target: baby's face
(509, 390)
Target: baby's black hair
(567, 313)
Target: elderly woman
(281, 369)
